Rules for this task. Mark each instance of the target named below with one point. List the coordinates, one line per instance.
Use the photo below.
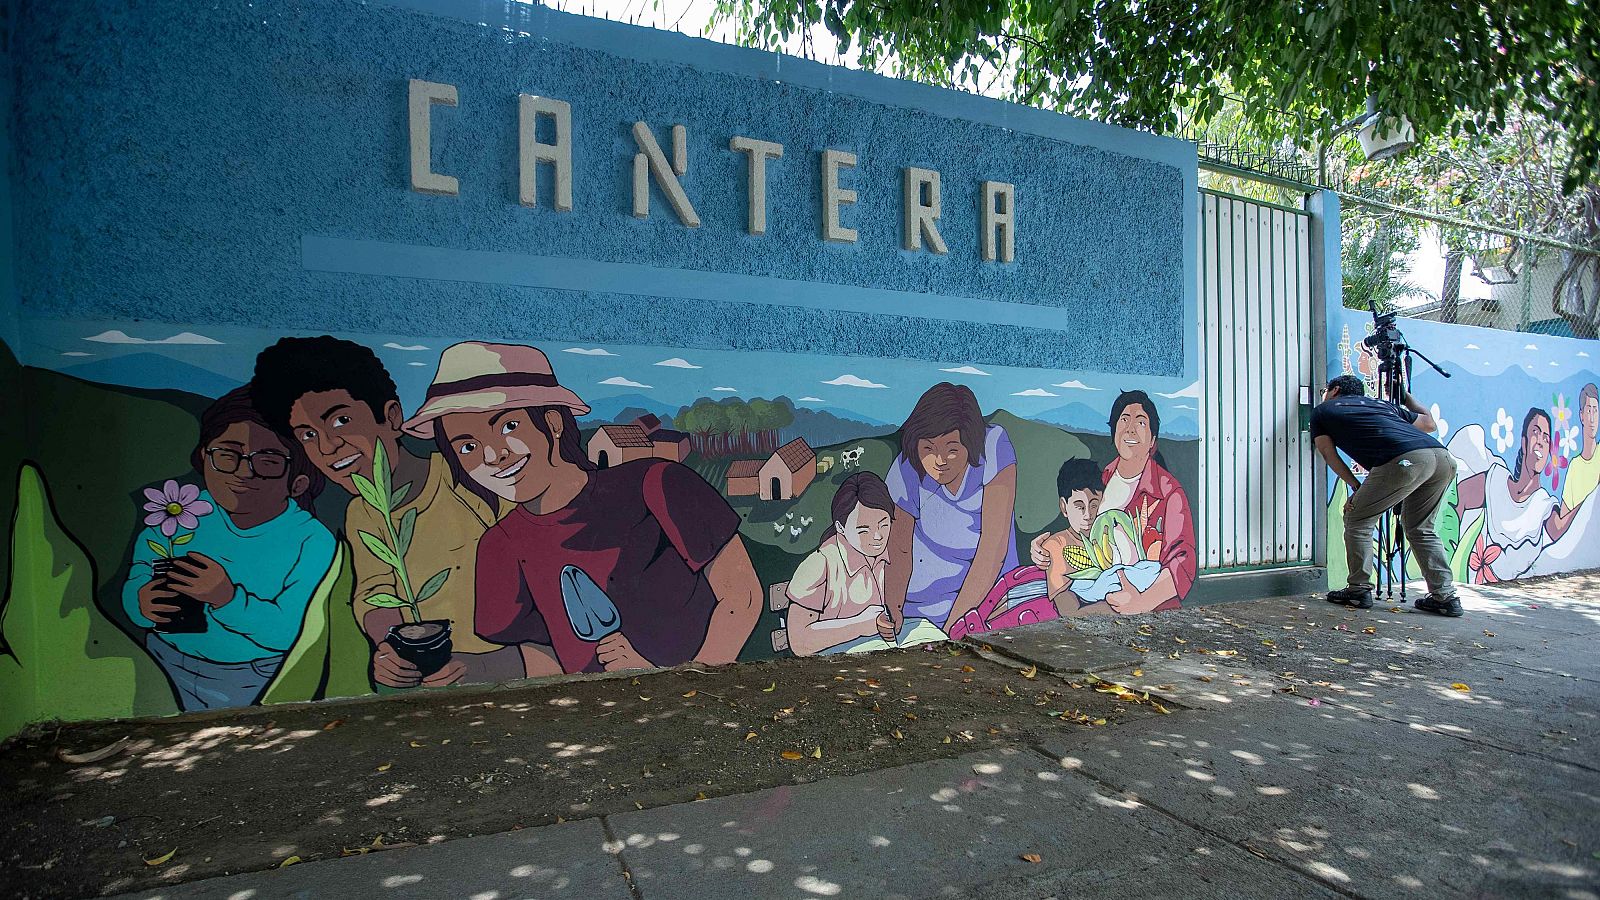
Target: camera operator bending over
(1404, 463)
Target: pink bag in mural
(1018, 598)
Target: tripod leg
(1400, 543)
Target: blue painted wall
(174, 158)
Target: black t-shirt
(1371, 432)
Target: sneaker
(1444, 606)
(1357, 597)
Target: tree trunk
(1450, 293)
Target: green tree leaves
(1438, 64)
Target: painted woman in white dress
(1521, 517)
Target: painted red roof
(627, 436)
(797, 454)
(746, 468)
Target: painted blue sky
(878, 390)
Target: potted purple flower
(176, 506)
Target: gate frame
(1325, 285)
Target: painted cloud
(596, 351)
(854, 381)
(965, 370)
(678, 362)
(619, 381)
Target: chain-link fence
(1451, 273)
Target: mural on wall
(315, 529)
(1520, 415)
(844, 400)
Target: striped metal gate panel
(1256, 334)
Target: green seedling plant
(392, 546)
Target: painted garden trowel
(591, 612)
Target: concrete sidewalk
(1311, 751)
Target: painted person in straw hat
(337, 402)
(633, 566)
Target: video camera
(1385, 341)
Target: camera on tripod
(1385, 341)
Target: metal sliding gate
(1257, 496)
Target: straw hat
(477, 377)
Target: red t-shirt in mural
(644, 531)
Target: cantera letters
(664, 166)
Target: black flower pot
(191, 615)
(425, 644)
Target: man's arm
(733, 580)
(1330, 454)
(1424, 421)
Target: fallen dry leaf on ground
(332, 725)
(792, 754)
(162, 859)
(93, 756)
(751, 736)
(1032, 857)
(1030, 672)
(1462, 687)
(691, 693)
(386, 767)
(288, 862)
(817, 753)
(770, 688)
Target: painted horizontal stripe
(366, 257)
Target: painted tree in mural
(733, 427)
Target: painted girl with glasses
(221, 577)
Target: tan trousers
(1419, 479)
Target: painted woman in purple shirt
(954, 486)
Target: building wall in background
(195, 185)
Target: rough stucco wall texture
(172, 156)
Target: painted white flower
(1569, 442)
(1503, 432)
(1561, 411)
(1438, 418)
